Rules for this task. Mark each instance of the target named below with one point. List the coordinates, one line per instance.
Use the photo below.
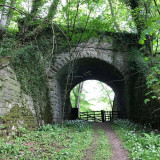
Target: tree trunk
(4, 18)
(108, 95)
(35, 6)
(137, 17)
(77, 95)
(10, 13)
(109, 98)
(53, 9)
(80, 88)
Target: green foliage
(138, 140)
(85, 109)
(146, 100)
(29, 63)
(30, 71)
(138, 62)
(105, 96)
(151, 29)
(84, 103)
(153, 83)
(7, 46)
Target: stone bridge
(102, 59)
(95, 59)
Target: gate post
(103, 115)
(74, 113)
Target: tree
(107, 95)
(77, 95)
(113, 16)
(78, 98)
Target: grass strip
(103, 151)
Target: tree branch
(14, 8)
(113, 16)
(156, 6)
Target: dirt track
(118, 153)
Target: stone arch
(88, 62)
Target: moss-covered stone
(17, 117)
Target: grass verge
(142, 144)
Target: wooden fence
(99, 116)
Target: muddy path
(118, 153)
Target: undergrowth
(49, 142)
(141, 142)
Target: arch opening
(82, 69)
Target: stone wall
(55, 97)
(13, 101)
